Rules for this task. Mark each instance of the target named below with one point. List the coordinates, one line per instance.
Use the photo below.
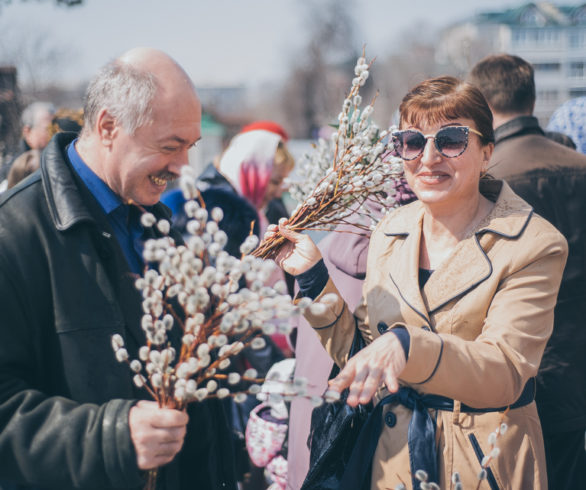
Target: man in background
(35, 120)
(70, 251)
(552, 179)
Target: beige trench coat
(478, 330)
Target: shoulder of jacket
(540, 227)
(398, 218)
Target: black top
(424, 275)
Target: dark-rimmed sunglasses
(450, 141)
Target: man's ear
(26, 132)
(107, 127)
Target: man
(36, 120)
(552, 178)
(70, 246)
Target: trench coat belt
(420, 435)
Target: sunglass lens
(452, 141)
(409, 144)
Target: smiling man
(70, 250)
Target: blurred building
(551, 37)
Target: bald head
(160, 65)
(127, 87)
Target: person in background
(70, 252)
(561, 138)
(29, 161)
(570, 119)
(35, 120)
(456, 310)
(66, 120)
(23, 166)
(552, 179)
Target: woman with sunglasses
(457, 308)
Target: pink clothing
(248, 163)
(344, 255)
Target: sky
(218, 42)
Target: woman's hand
(382, 361)
(298, 254)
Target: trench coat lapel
(404, 269)
(464, 269)
(468, 266)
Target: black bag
(334, 430)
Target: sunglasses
(450, 141)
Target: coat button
(390, 419)
(382, 327)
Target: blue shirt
(126, 225)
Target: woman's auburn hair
(446, 98)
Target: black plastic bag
(334, 430)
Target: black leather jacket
(552, 179)
(64, 399)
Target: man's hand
(157, 433)
(380, 362)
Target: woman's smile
(432, 178)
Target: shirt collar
(107, 198)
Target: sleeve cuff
(403, 335)
(313, 281)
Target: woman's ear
(486, 155)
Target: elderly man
(35, 120)
(70, 249)
(552, 178)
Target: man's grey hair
(30, 116)
(126, 92)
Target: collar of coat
(517, 127)
(468, 265)
(66, 204)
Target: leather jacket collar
(517, 127)
(61, 186)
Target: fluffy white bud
(331, 396)
(164, 226)
(223, 393)
(143, 353)
(121, 354)
(147, 220)
(117, 341)
(136, 366)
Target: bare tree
(321, 77)
(65, 3)
(413, 60)
(36, 55)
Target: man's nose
(179, 161)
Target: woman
(255, 164)
(457, 308)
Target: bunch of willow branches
(216, 304)
(335, 182)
